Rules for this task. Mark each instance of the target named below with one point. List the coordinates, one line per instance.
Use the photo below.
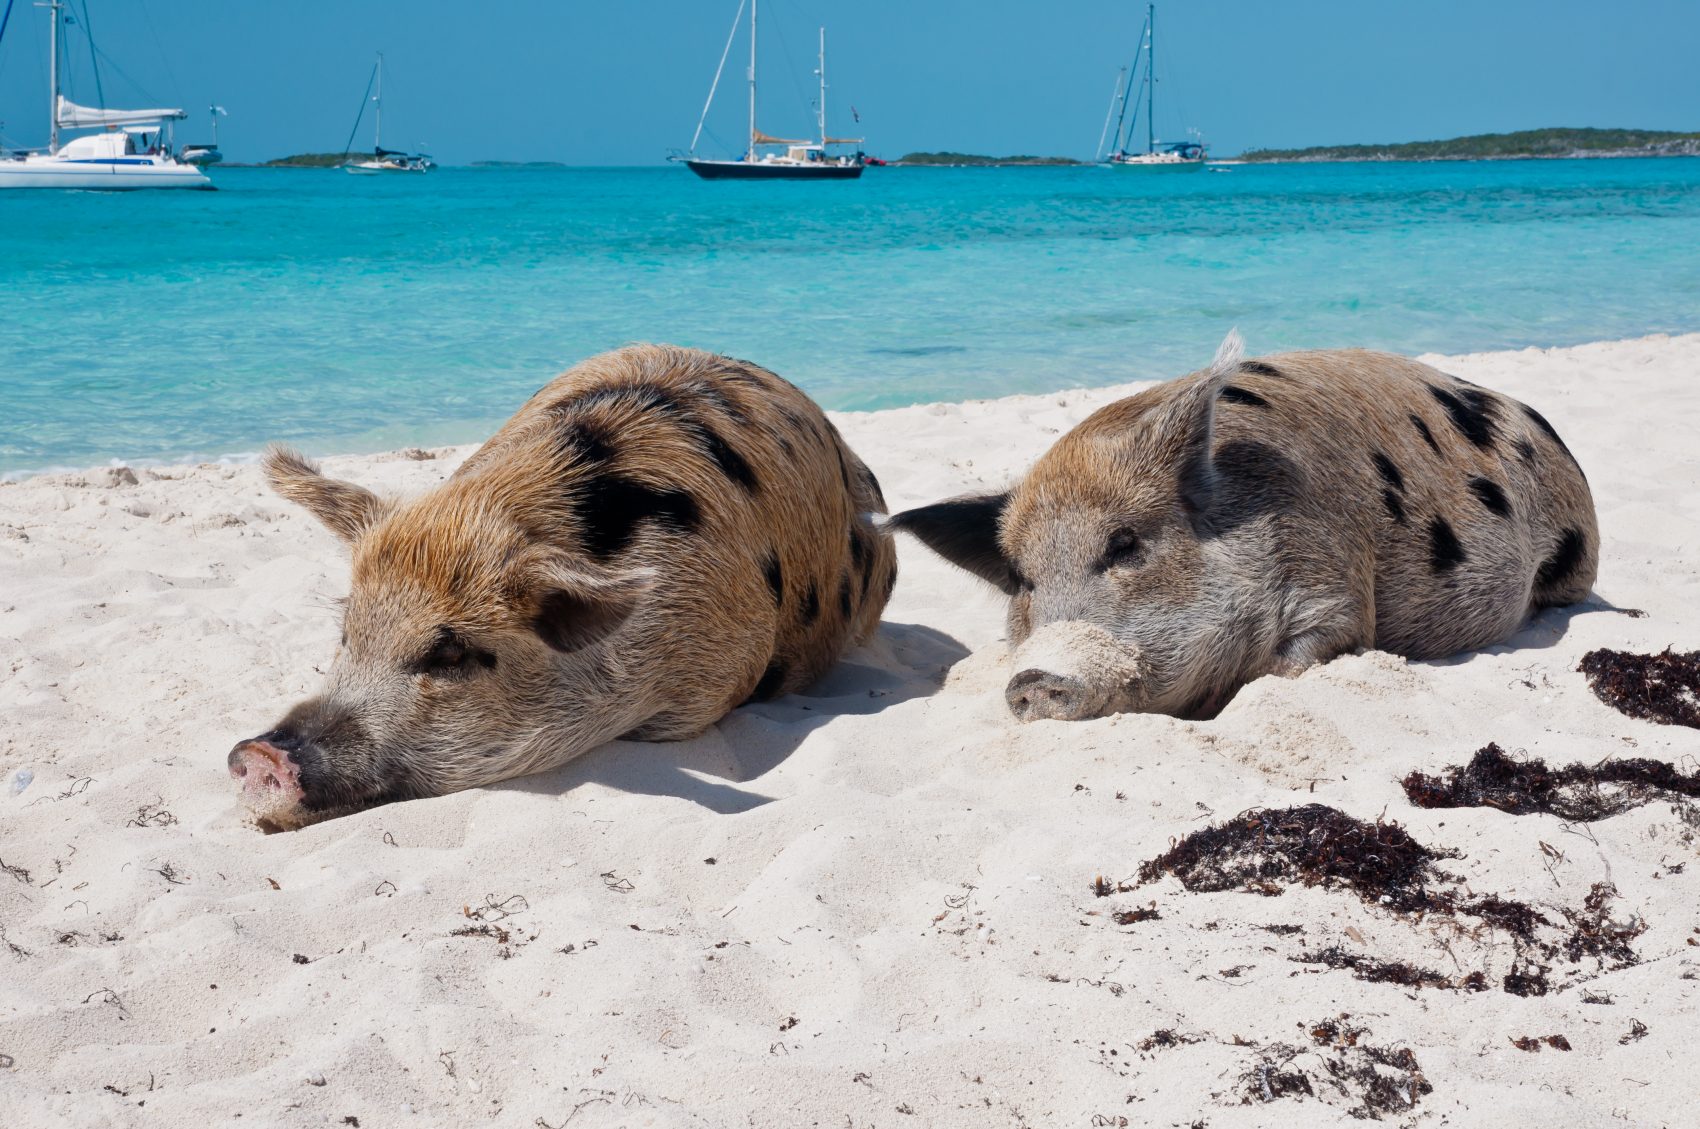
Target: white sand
(868, 905)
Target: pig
(1262, 516)
(657, 536)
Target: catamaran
(1174, 156)
(381, 160)
(800, 160)
(133, 149)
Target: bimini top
(72, 116)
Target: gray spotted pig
(656, 537)
(1265, 515)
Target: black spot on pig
(775, 580)
(731, 463)
(844, 596)
(811, 604)
(1389, 473)
(1261, 368)
(1428, 436)
(1243, 396)
(1394, 506)
(1445, 553)
(1540, 421)
(1487, 492)
(611, 508)
(1558, 568)
(1472, 411)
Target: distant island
(975, 160)
(519, 164)
(1528, 144)
(310, 161)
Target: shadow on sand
(904, 661)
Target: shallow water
(348, 313)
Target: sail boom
(69, 115)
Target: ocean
(346, 314)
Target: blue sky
(621, 81)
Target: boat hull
(1159, 166)
(99, 176)
(764, 170)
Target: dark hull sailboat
(800, 160)
(773, 170)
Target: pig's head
(1118, 598)
(458, 637)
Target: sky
(620, 82)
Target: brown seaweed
(1579, 793)
(1664, 687)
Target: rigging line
(161, 53)
(146, 95)
(364, 98)
(6, 19)
(736, 20)
(94, 63)
(1098, 153)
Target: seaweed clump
(1261, 850)
(1664, 687)
(1391, 972)
(1578, 793)
(1314, 845)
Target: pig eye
(1123, 550)
(450, 656)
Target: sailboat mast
(378, 100)
(1151, 79)
(822, 114)
(751, 155)
(53, 7)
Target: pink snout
(270, 780)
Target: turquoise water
(360, 313)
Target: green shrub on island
(1528, 143)
(975, 160)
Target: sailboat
(381, 160)
(799, 160)
(1176, 156)
(132, 149)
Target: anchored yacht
(798, 160)
(132, 150)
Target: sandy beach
(871, 904)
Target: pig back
(1471, 506)
(727, 484)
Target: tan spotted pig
(1264, 515)
(657, 536)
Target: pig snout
(270, 776)
(1037, 694)
(1071, 670)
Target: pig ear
(964, 531)
(346, 510)
(575, 609)
(1186, 426)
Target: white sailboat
(382, 160)
(132, 150)
(798, 160)
(1174, 156)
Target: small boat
(382, 160)
(1174, 156)
(133, 149)
(799, 160)
(203, 155)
